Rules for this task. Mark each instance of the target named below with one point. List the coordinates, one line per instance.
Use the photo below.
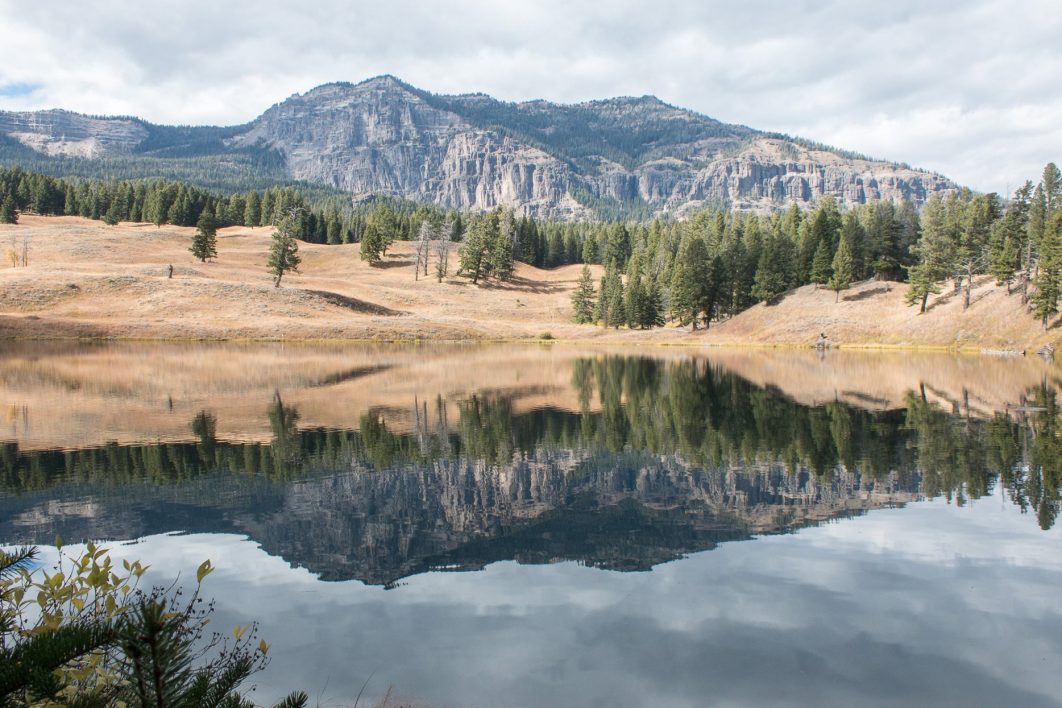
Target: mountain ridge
(616, 156)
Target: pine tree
(601, 308)
(690, 282)
(8, 215)
(181, 210)
(333, 229)
(617, 246)
(372, 245)
(843, 269)
(153, 211)
(136, 208)
(252, 212)
(284, 250)
(1052, 182)
(634, 300)
(501, 245)
(1007, 240)
(1034, 232)
(617, 314)
(820, 265)
(113, 214)
(972, 251)
(268, 207)
(653, 305)
(69, 200)
(853, 232)
(923, 280)
(1048, 280)
(935, 250)
(589, 252)
(1002, 255)
(610, 302)
(380, 232)
(772, 270)
(474, 254)
(205, 240)
(746, 254)
(584, 298)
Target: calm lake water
(556, 526)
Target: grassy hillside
(91, 280)
(874, 313)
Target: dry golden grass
(86, 279)
(873, 314)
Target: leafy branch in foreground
(84, 634)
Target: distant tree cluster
(708, 267)
(163, 202)
(489, 246)
(1019, 243)
(716, 263)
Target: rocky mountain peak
(615, 156)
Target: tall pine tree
(820, 264)
(935, 250)
(284, 249)
(8, 215)
(691, 282)
(843, 269)
(205, 240)
(1048, 280)
(584, 298)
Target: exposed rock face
(374, 140)
(379, 137)
(472, 152)
(66, 134)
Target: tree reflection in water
(661, 459)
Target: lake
(532, 525)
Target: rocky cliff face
(473, 153)
(380, 137)
(65, 134)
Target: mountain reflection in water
(645, 460)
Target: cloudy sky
(970, 89)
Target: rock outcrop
(58, 133)
(471, 152)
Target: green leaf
(204, 570)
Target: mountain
(613, 157)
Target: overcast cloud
(969, 89)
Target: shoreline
(589, 341)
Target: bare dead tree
(442, 258)
(424, 238)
